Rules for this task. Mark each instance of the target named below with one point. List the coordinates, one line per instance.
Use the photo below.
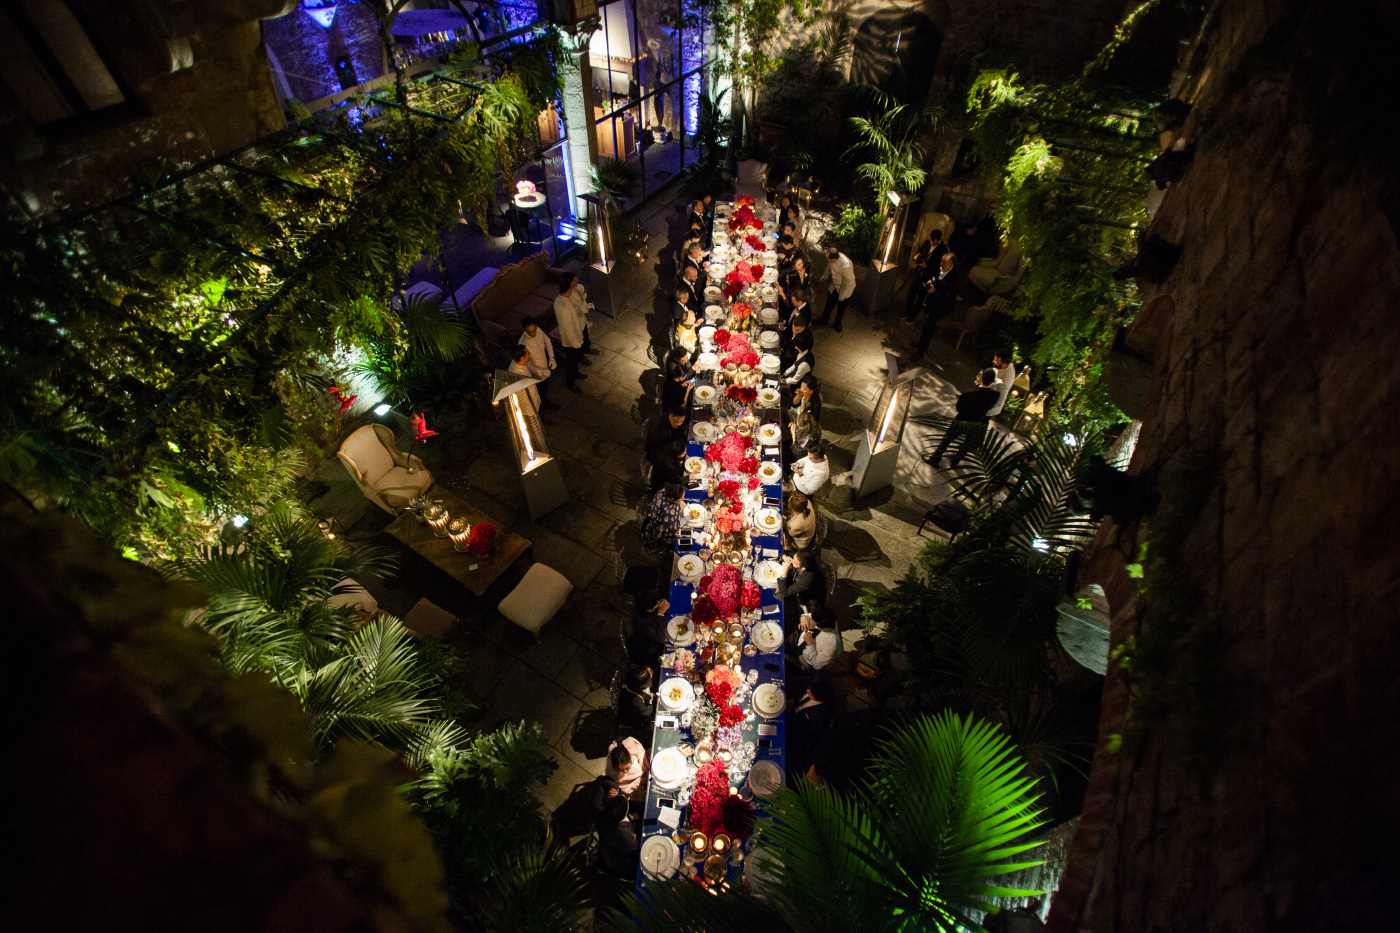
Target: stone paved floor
(562, 681)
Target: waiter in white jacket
(541, 362)
(571, 310)
(841, 284)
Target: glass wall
(647, 61)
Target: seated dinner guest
(636, 705)
(627, 765)
(816, 639)
(799, 523)
(661, 518)
(793, 290)
(807, 397)
(802, 361)
(810, 473)
(806, 434)
(648, 636)
(685, 318)
(680, 379)
(665, 447)
(800, 583)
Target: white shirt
(632, 778)
(572, 313)
(799, 368)
(541, 352)
(1004, 379)
(813, 476)
(823, 648)
(523, 369)
(842, 276)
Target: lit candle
(720, 843)
(459, 531)
(698, 842)
(437, 519)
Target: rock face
(196, 84)
(1263, 792)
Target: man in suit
(695, 259)
(925, 266)
(809, 723)
(690, 283)
(942, 292)
(801, 582)
(648, 636)
(665, 437)
(970, 423)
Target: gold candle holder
(459, 531)
(698, 842)
(736, 631)
(704, 752)
(720, 843)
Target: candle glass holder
(437, 517)
(459, 531)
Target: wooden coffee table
(440, 553)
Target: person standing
(970, 423)
(942, 291)
(840, 277)
(571, 311)
(541, 361)
(1006, 375)
(923, 267)
(520, 366)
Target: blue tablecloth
(667, 731)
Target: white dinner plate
(695, 513)
(705, 395)
(763, 777)
(718, 270)
(668, 767)
(706, 360)
(704, 431)
(770, 473)
(707, 335)
(770, 258)
(769, 363)
(770, 274)
(768, 700)
(770, 338)
(713, 292)
(690, 567)
(694, 465)
(769, 521)
(681, 631)
(769, 397)
(660, 856)
(769, 316)
(769, 434)
(676, 694)
(767, 636)
(766, 573)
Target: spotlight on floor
(381, 410)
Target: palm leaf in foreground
(683, 907)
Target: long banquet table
(764, 738)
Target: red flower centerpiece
(731, 715)
(703, 611)
(483, 535)
(744, 200)
(743, 219)
(728, 520)
(722, 338)
(756, 243)
(743, 394)
(729, 488)
(741, 310)
(738, 280)
(724, 588)
(751, 595)
(720, 685)
(729, 452)
(742, 358)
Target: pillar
(578, 108)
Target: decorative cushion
(427, 620)
(398, 486)
(984, 276)
(352, 596)
(366, 451)
(537, 598)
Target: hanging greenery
(1069, 159)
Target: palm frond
(540, 892)
(431, 329)
(689, 908)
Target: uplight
(382, 409)
(239, 521)
(1070, 440)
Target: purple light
(322, 11)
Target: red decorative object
(751, 596)
(748, 466)
(729, 488)
(730, 716)
(722, 338)
(703, 611)
(744, 200)
(482, 536)
(723, 587)
(720, 685)
(729, 452)
(741, 310)
(742, 358)
(728, 520)
(741, 394)
(743, 219)
(753, 482)
(737, 817)
(755, 242)
(344, 400)
(421, 433)
(707, 800)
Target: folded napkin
(671, 816)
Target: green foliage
(477, 801)
(744, 29)
(810, 81)
(617, 180)
(948, 807)
(855, 233)
(541, 892)
(890, 140)
(1069, 159)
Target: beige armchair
(381, 469)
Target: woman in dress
(807, 397)
(685, 320)
(798, 277)
(661, 519)
(789, 214)
(806, 434)
(675, 390)
(799, 523)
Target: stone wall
(1267, 795)
(199, 75)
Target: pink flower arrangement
(743, 394)
(755, 243)
(741, 310)
(744, 200)
(751, 595)
(720, 685)
(724, 587)
(729, 452)
(738, 280)
(729, 488)
(707, 800)
(742, 358)
(685, 660)
(748, 466)
(743, 219)
(753, 482)
(728, 521)
(739, 342)
(729, 717)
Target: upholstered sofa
(526, 289)
(380, 469)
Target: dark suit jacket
(647, 639)
(944, 292)
(807, 586)
(661, 435)
(697, 265)
(635, 712)
(974, 405)
(695, 290)
(807, 726)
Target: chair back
(366, 453)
